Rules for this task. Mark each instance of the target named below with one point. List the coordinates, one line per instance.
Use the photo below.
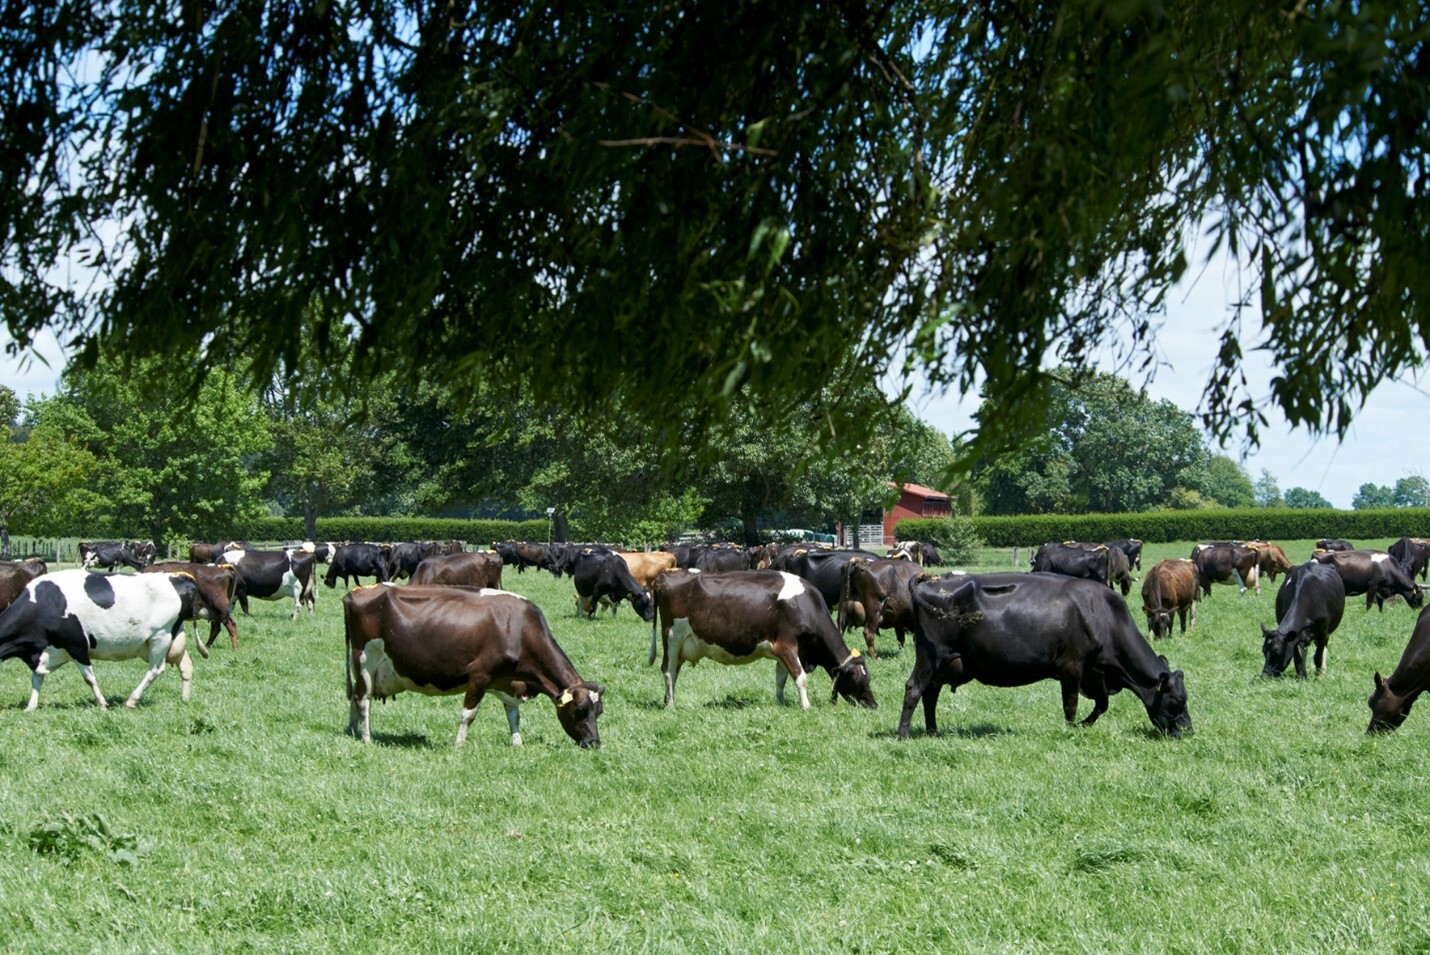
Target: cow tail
(844, 575)
(655, 589)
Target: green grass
(247, 819)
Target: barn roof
(927, 493)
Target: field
(247, 819)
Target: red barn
(915, 501)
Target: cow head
(1159, 621)
(1417, 597)
(1388, 709)
(577, 708)
(1279, 649)
(643, 605)
(1168, 709)
(851, 681)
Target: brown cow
(1391, 702)
(218, 585)
(879, 591)
(1170, 587)
(15, 574)
(1273, 559)
(1222, 560)
(472, 570)
(746, 615)
(645, 567)
(440, 641)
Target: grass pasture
(247, 819)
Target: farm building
(915, 500)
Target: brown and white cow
(440, 641)
(1273, 559)
(482, 569)
(746, 615)
(15, 574)
(881, 589)
(218, 585)
(1220, 561)
(1170, 587)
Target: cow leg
(1096, 688)
(670, 665)
(179, 656)
(471, 702)
(913, 690)
(1321, 655)
(1070, 684)
(513, 721)
(360, 708)
(788, 658)
(1298, 654)
(50, 660)
(899, 634)
(930, 701)
(156, 670)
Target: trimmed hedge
(1204, 525)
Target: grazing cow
(208, 553)
(825, 570)
(1273, 559)
(403, 558)
(219, 585)
(1119, 572)
(1219, 561)
(1309, 607)
(1075, 559)
(1392, 699)
(273, 575)
(881, 589)
(524, 554)
(1413, 554)
(1373, 573)
(107, 554)
(600, 576)
(471, 570)
(1334, 544)
(15, 574)
(719, 558)
(907, 550)
(357, 561)
(1015, 629)
(322, 551)
(144, 551)
(445, 640)
(1170, 587)
(1131, 547)
(80, 616)
(787, 554)
(747, 615)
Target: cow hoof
(516, 739)
(131, 704)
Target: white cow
(80, 616)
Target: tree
(1104, 447)
(489, 193)
(1303, 497)
(1412, 491)
(1226, 483)
(43, 479)
(168, 467)
(1267, 491)
(1372, 496)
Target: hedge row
(476, 532)
(1163, 526)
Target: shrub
(956, 538)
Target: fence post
(1015, 555)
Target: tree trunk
(4, 541)
(560, 530)
(310, 513)
(752, 529)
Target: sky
(1380, 448)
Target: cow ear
(1379, 681)
(1162, 681)
(595, 687)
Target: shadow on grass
(731, 703)
(976, 731)
(647, 704)
(404, 740)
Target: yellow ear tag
(854, 653)
(565, 698)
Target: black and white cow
(80, 616)
(273, 575)
(322, 551)
(107, 554)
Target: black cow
(1131, 547)
(1391, 702)
(1015, 629)
(1373, 573)
(1076, 559)
(357, 561)
(719, 558)
(602, 575)
(1334, 544)
(825, 570)
(403, 558)
(524, 554)
(1413, 554)
(107, 554)
(273, 575)
(1309, 608)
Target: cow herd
(453, 630)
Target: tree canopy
(735, 201)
